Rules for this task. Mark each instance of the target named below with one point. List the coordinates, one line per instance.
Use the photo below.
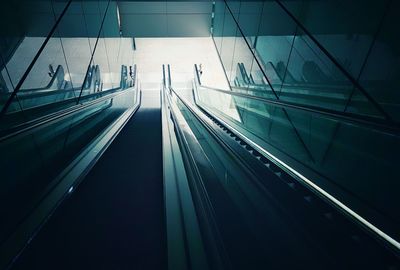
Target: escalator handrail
(79, 106)
(176, 187)
(337, 115)
(58, 115)
(312, 86)
(48, 92)
(219, 256)
(393, 243)
(266, 90)
(71, 100)
(357, 85)
(65, 101)
(59, 69)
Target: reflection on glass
(330, 147)
(36, 153)
(6, 87)
(381, 73)
(218, 26)
(242, 61)
(55, 146)
(289, 65)
(228, 44)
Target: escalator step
(308, 198)
(329, 215)
(292, 185)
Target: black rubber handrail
(343, 70)
(337, 115)
(31, 65)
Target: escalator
(294, 170)
(324, 145)
(194, 180)
(49, 155)
(254, 214)
(115, 219)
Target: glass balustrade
(355, 162)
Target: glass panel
(242, 62)
(34, 158)
(297, 70)
(73, 33)
(219, 14)
(24, 27)
(113, 44)
(228, 44)
(97, 72)
(243, 59)
(234, 6)
(273, 45)
(47, 84)
(381, 73)
(317, 145)
(6, 87)
(315, 80)
(102, 68)
(344, 28)
(26, 180)
(249, 19)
